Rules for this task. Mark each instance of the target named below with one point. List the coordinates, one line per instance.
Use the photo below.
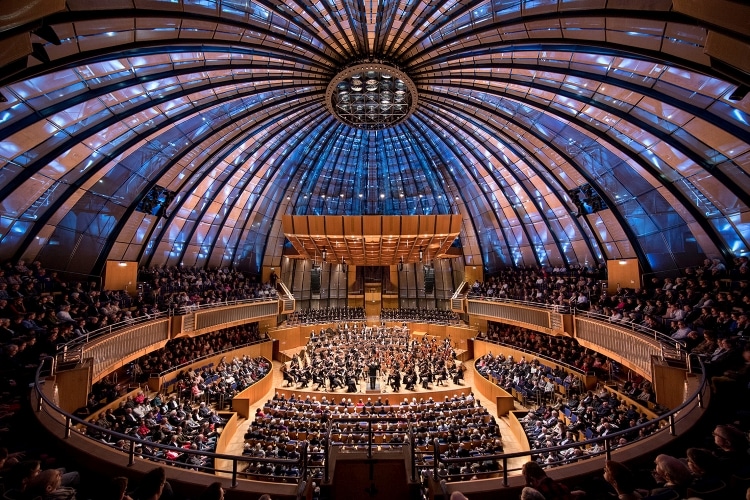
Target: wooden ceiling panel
(372, 225)
(372, 240)
(334, 225)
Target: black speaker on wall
(429, 279)
(315, 280)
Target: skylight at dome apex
(563, 132)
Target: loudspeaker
(315, 280)
(429, 280)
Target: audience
(214, 491)
(622, 480)
(707, 298)
(186, 350)
(546, 486)
(441, 316)
(39, 312)
(326, 315)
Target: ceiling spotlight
(324, 254)
(421, 254)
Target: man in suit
(372, 370)
(395, 380)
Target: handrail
(656, 335)
(528, 303)
(201, 307)
(284, 289)
(458, 302)
(633, 327)
(84, 339)
(459, 289)
(206, 356)
(669, 417)
(72, 421)
(370, 434)
(536, 355)
(121, 325)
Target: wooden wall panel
(246, 399)
(299, 224)
(121, 275)
(504, 401)
(288, 337)
(426, 225)
(626, 272)
(443, 224)
(73, 386)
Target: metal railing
(206, 356)
(241, 310)
(666, 422)
(370, 445)
(670, 419)
(88, 337)
(563, 309)
(288, 302)
(110, 351)
(510, 310)
(458, 302)
(633, 327)
(130, 445)
(74, 344)
(135, 448)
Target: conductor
(372, 370)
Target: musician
(372, 370)
(288, 376)
(410, 380)
(318, 377)
(458, 373)
(304, 376)
(351, 382)
(395, 380)
(441, 376)
(335, 380)
(426, 376)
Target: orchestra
(354, 353)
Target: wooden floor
(510, 445)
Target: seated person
(48, 485)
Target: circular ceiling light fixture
(371, 96)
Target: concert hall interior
(397, 249)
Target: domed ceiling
(563, 132)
